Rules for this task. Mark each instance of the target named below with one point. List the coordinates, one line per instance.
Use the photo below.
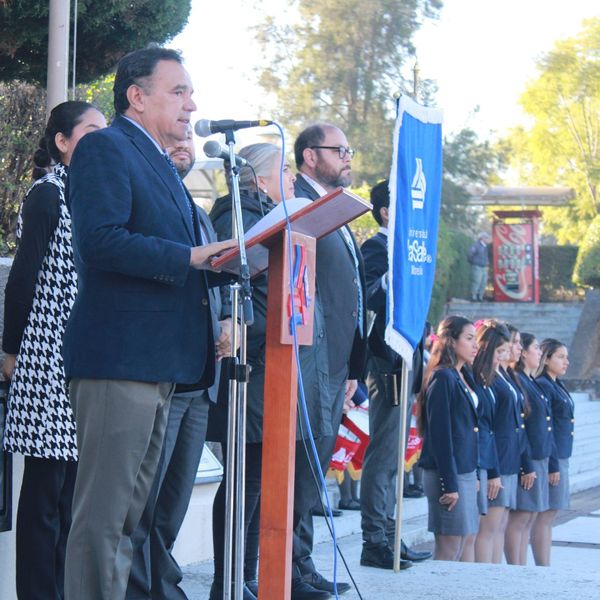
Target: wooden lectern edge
(268, 234)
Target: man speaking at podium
(323, 159)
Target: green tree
(562, 147)
(21, 125)
(105, 32)
(468, 161)
(341, 62)
(587, 267)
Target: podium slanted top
(317, 219)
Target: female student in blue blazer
(511, 441)
(449, 424)
(554, 364)
(493, 343)
(538, 426)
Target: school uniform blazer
(141, 312)
(563, 414)
(511, 439)
(538, 423)
(450, 440)
(486, 411)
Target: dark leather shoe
(318, 512)
(407, 553)
(319, 582)
(216, 593)
(412, 491)
(350, 505)
(252, 585)
(301, 590)
(381, 557)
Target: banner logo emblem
(419, 185)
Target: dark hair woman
(449, 423)
(39, 295)
(511, 443)
(493, 347)
(554, 363)
(538, 426)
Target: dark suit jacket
(563, 414)
(374, 252)
(511, 439)
(486, 411)
(141, 312)
(538, 423)
(336, 286)
(450, 441)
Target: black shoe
(413, 555)
(252, 585)
(319, 582)
(318, 512)
(350, 505)
(216, 593)
(301, 590)
(412, 491)
(381, 557)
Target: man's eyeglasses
(342, 150)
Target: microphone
(213, 149)
(204, 127)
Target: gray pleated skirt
(559, 495)
(537, 498)
(463, 519)
(507, 496)
(482, 497)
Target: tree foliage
(105, 32)
(341, 62)
(22, 117)
(468, 162)
(562, 147)
(587, 267)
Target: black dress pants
(252, 507)
(43, 522)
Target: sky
(481, 53)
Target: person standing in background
(478, 257)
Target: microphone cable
(318, 476)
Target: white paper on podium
(277, 215)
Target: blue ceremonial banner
(415, 193)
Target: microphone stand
(238, 375)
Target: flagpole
(401, 451)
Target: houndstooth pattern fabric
(40, 421)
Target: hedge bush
(587, 267)
(556, 272)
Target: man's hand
(449, 500)
(8, 366)
(201, 256)
(223, 344)
(554, 478)
(351, 385)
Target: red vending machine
(516, 256)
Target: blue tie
(183, 191)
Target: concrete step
(549, 319)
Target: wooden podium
(270, 249)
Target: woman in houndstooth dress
(39, 295)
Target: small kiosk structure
(515, 238)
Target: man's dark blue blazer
(141, 312)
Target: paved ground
(575, 572)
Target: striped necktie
(183, 191)
(350, 244)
